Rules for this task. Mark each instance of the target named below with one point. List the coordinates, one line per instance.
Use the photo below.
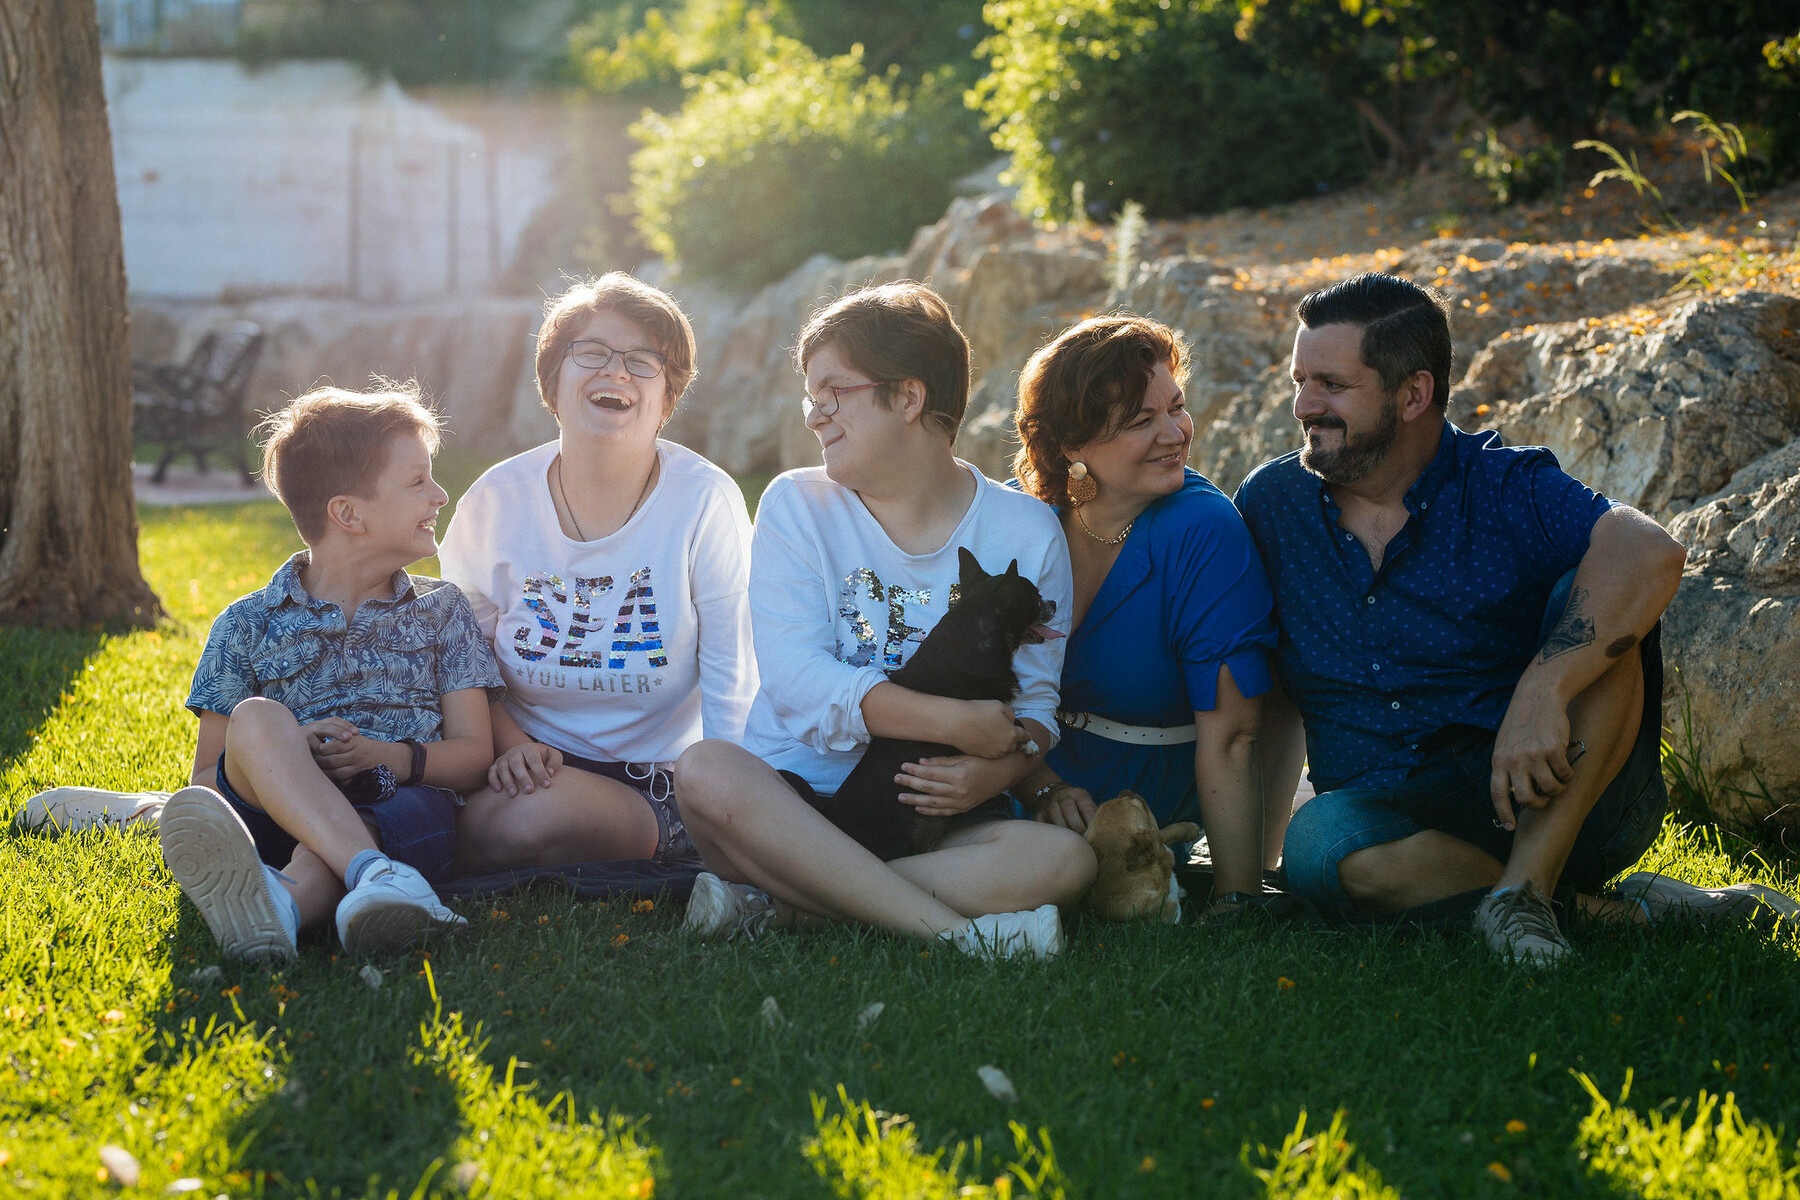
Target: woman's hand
(1068, 806)
(524, 768)
(943, 787)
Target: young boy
(344, 670)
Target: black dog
(968, 655)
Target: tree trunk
(68, 522)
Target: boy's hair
(334, 442)
(651, 309)
(1085, 385)
(893, 332)
(1406, 328)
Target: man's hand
(1068, 806)
(943, 787)
(524, 768)
(1532, 756)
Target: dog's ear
(1012, 569)
(968, 567)
(1142, 853)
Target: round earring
(1082, 487)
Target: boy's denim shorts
(1448, 792)
(416, 826)
(657, 787)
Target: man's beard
(1358, 455)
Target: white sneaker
(1518, 923)
(1012, 934)
(73, 809)
(1664, 897)
(213, 858)
(390, 909)
(717, 909)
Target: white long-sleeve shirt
(836, 606)
(628, 648)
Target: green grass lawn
(572, 1049)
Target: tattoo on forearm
(1619, 646)
(1573, 631)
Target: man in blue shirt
(1470, 637)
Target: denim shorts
(416, 826)
(1448, 792)
(657, 787)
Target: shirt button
(1415, 746)
(1394, 704)
(1374, 666)
(1368, 600)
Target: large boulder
(1655, 407)
(1732, 636)
(1493, 287)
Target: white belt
(1136, 735)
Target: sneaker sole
(386, 927)
(1050, 927)
(711, 910)
(1757, 902)
(210, 853)
(76, 809)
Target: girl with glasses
(852, 564)
(609, 568)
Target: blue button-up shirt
(385, 670)
(1376, 661)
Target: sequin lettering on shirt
(551, 634)
(649, 635)
(860, 584)
(583, 623)
(898, 630)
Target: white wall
(305, 178)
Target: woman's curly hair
(1085, 385)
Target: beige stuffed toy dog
(1137, 869)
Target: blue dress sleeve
(1220, 605)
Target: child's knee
(704, 775)
(257, 718)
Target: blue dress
(1186, 596)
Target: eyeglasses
(827, 408)
(597, 356)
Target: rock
(1015, 299)
(1256, 426)
(1732, 637)
(1493, 287)
(1234, 335)
(1652, 408)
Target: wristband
(417, 774)
(1037, 798)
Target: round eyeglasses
(810, 404)
(597, 356)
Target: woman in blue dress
(1167, 663)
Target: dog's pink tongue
(1047, 633)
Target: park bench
(198, 406)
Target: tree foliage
(1157, 102)
(800, 156)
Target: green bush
(1156, 101)
(647, 55)
(804, 155)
